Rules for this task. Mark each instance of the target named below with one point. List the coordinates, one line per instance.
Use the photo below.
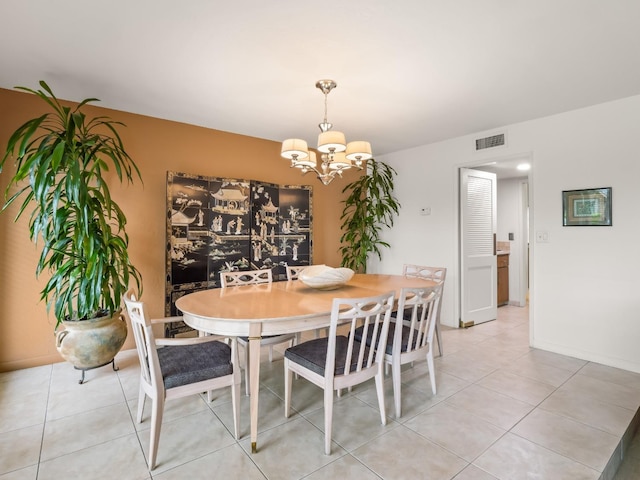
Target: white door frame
(455, 173)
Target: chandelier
(336, 154)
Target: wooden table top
(286, 303)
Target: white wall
(584, 290)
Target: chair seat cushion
(313, 354)
(392, 328)
(186, 364)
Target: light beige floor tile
(25, 411)
(354, 423)
(70, 398)
(306, 397)
(291, 450)
(607, 392)
(494, 354)
(187, 438)
(228, 463)
(493, 407)
(567, 437)
(556, 360)
(395, 455)
(531, 368)
(20, 448)
(120, 458)
(173, 409)
(514, 458)
(461, 433)
(345, 467)
(474, 473)
(271, 410)
(590, 411)
(18, 383)
(517, 386)
(76, 432)
(29, 473)
(130, 385)
(611, 374)
(462, 367)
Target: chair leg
(380, 391)
(397, 386)
(328, 419)
(235, 402)
(270, 353)
(246, 370)
(432, 371)
(157, 409)
(438, 338)
(141, 399)
(288, 380)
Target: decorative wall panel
(218, 224)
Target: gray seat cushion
(186, 364)
(313, 354)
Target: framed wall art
(588, 207)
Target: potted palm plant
(62, 159)
(370, 206)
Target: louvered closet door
(478, 273)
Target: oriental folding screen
(219, 224)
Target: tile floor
(503, 411)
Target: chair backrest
(437, 274)
(374, 314)
(245, 277)
(294, 270)
(145, 342)
(420, 307)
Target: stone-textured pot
(92, 343)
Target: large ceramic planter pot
(92, 343)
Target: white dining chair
(338, 361)
(293, 271)
(410, 339)
(437, 274)
(178, 367)
(254, 277)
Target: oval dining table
(276, 308)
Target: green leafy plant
(61, 161)
(369, 207)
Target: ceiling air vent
(490, 142)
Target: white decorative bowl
(325, 278)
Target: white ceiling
(409, 72)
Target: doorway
(513, 225)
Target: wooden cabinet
(503, 279)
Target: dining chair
(293, 271)
(340, 361)
(437, 274)
(410, 339)
(178, 367)
(254, 277)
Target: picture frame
(587, 207)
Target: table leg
(254, 381)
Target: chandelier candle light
(336, 154)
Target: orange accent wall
(157, 146)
